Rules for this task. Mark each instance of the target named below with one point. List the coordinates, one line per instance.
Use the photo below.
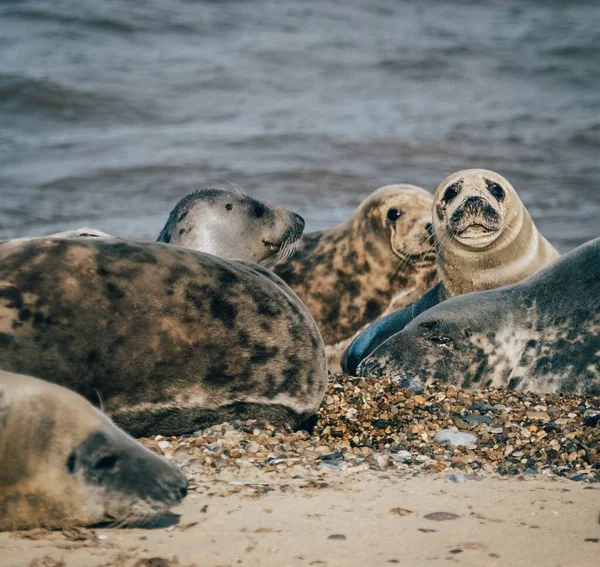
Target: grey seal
(64, 463)
(485, 238)
(541, 334)
(169, 338)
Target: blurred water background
(112, 110)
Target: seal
(64, 463)
(226, 223)
(170, 339)
(348, 275)
(540, 335)
(485, 238)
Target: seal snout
(474, 216)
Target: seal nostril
(183, 492)
(429, 228)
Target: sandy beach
(337, 519)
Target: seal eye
(259, 210)
(451, 193)
(106, 463)
(496, 191)
(394, 214)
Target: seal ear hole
(496, 190)
(394, 214)
(71, 463)
(106, 463)
(442, 341)
(229, 206)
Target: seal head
(231, 224)
(65, 463)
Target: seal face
(170, 339)
(347, 276)
(64, 463)
(542, 334)
(233, 225)
(485, 239)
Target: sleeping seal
(485, 238)
(348, 275)
(226, 223)
(541, 335)
(170, 339)
(64, 463)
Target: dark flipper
(384, 328)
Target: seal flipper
(384, 328)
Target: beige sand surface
(375, 518)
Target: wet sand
(368, 518)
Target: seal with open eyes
(485, 238)
(541, 335)
(223, 222)
(64, 463)
(170, 339)
(348, 275)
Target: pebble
(441, 516)
(375, 424)
(454, 438)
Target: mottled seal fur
(484, 237)
(170, 339)
(64, 463)
(226, 223)
(347, 276)
(542, 335)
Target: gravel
(376, 425)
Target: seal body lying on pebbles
(541, 335)
(169, 339)
(64, 463)
(226, 223)
(485, 238)
(348, 275)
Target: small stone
(400, 511)
(252, 447)
(540, 416)
(591, 418)
(402, 457)
(337, 537)
(476, 419)
(454, 438)
(164, 444)
(457, 478)
(441, 516)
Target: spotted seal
(348, 275)
(170, 339)
(224, 222)
(542, 335)
(485, 238)
(64, 463)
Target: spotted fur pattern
(168, 339)
(348, 276)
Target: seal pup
(348, 275)
(224, 222)
(541, 335)
(64, 463)
(170, 339)
(484, 237)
